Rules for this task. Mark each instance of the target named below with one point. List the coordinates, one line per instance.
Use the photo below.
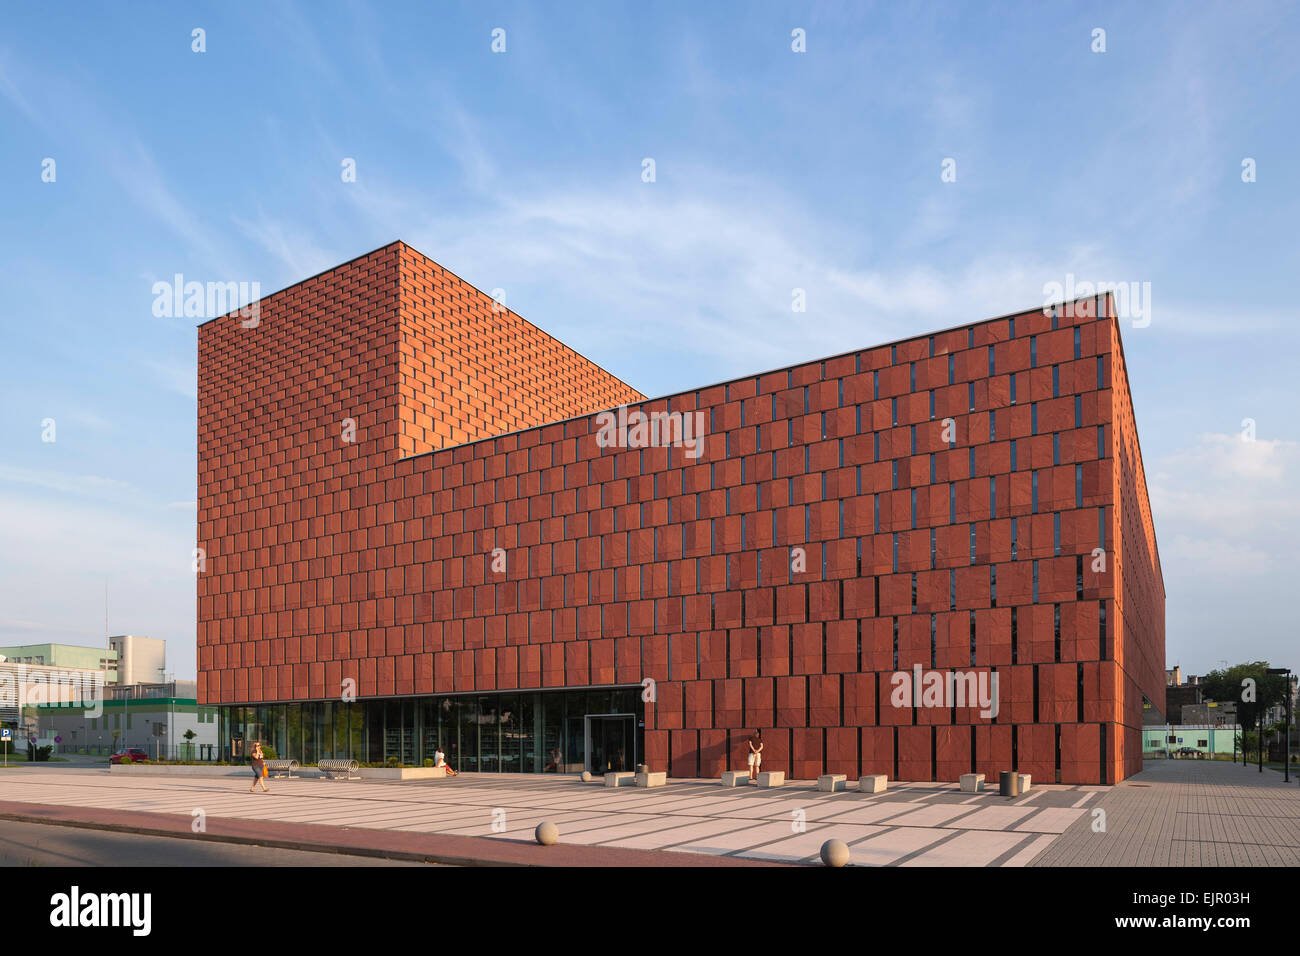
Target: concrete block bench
(648, 779)
(620, 778)
(1025, 782)
(771, 778)
(972, 782)
(735, 778)
(832, 782)
(873, 783)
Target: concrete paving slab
(931, 815)
(969, 848)
(885, 847)
(993, 818)
(677, 838)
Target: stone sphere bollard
(548, 834)
(835, 853)
(586, 776)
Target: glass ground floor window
(554, 731)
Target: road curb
(272, 842)
(359, 841)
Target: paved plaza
(1175, 812)
(1189, 813)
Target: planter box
(371, 773)
(402, 773)
(163, 770)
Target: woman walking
(259, 768)
(755, 753)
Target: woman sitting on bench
(440, 760)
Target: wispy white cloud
(296, 250)
(715, 272)
(59, 554)
(1259, 464)
(93, 486)
(177, 375)
(1222, 499)
(1217, 558)
(9, 89)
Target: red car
(135, 753)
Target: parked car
(135, 753)
(1188, 752)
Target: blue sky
(522, 170)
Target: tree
(1230, 685)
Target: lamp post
(1286, 738)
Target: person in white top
(755, 754)
(440, 760)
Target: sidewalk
(491, 818)
(1189, 813)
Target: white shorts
(755, 759)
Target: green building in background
(1204, 739)
(65, 655)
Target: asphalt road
(37, 844)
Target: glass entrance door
(611, 742)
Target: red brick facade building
(411, 534)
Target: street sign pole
(1286, 740)
(1286, 710)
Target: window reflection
(530, 732)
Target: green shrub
(269, 752)
(392, 762)
(428, 761)
(126, 758)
